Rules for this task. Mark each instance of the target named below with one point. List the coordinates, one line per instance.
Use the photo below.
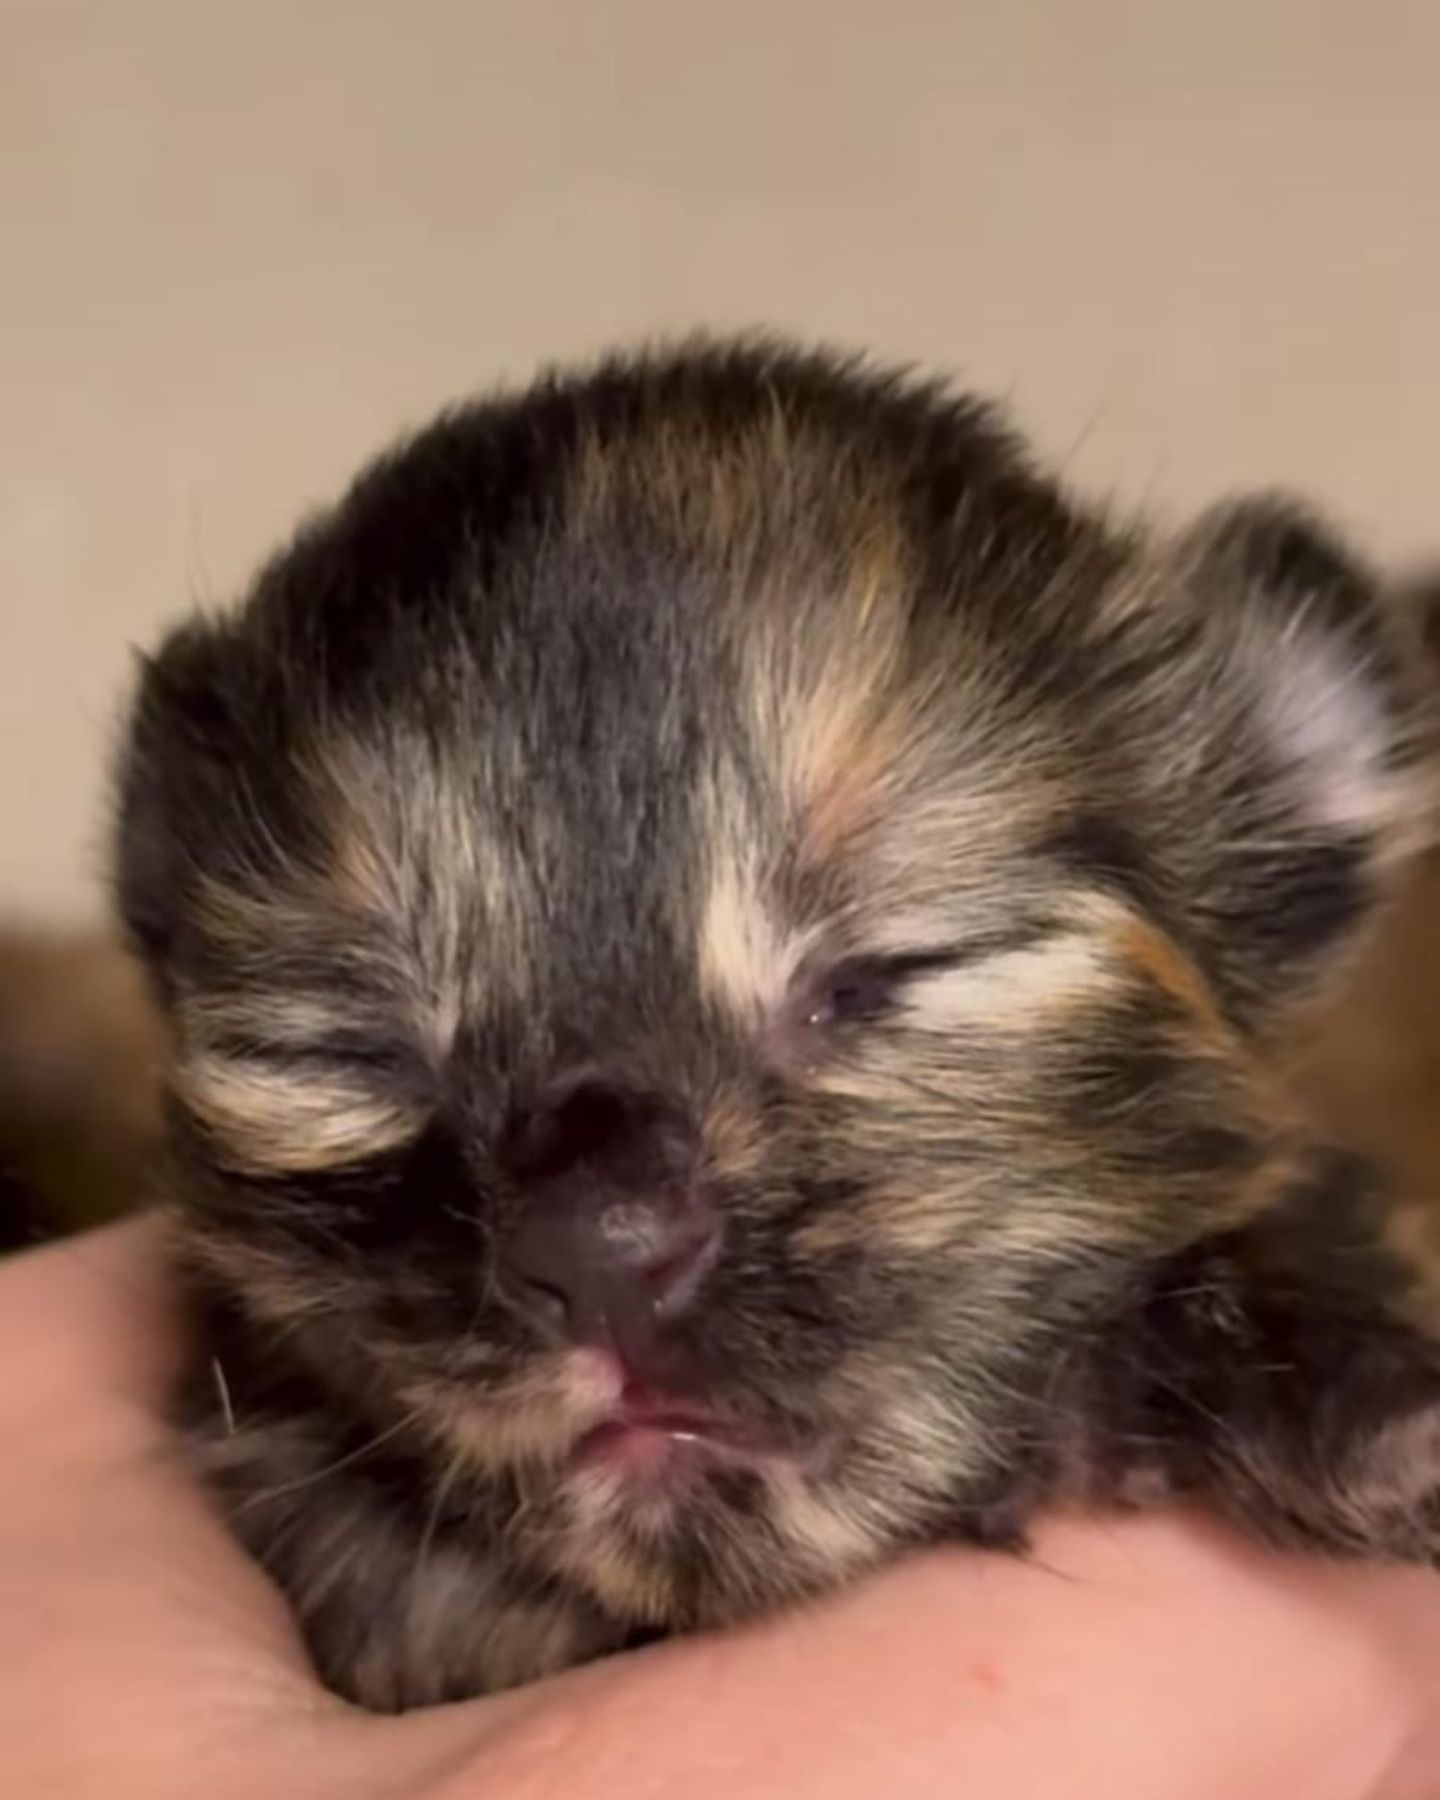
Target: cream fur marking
(281, 1121)
(1017, 987)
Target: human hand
(1152, 1658)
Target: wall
(1198, 246)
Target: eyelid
(320, 1054)
(892, 971)
(379, 1058)
(893, 965)
(912, 964)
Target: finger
(1133, 1659)
(89, 1320)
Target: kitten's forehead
(702, 749)
(632, 814)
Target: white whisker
(222, 1388)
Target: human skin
(1149, 1658)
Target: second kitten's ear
(1291, 744)
(1305, 640)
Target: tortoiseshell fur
(603, 724)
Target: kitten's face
(716, 932)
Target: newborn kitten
(725, 947)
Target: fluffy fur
(765, 732)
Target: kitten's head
(717, 932)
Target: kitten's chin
(670, 1533)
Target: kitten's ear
(171, 761)
(1287, 1375)
(1296, 737)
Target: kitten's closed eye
(286, 1106)
(339, 1055)
(867, 987)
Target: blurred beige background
(1197, 244)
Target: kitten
(727, 947)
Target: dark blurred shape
(1372, 1064)
(80, 1057)
(1422, 590)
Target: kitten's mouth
(647, 1440)
(646, 1431)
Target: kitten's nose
(613, 1235)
